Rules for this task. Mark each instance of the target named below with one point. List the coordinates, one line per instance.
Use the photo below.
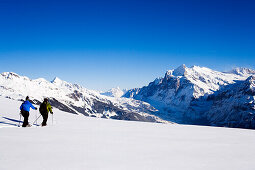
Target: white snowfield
(77, 142)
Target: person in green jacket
(44, 109)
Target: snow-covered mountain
(243, 71)
(75, 99)
(115, 92)
(233, 105)
(195, 95)
(183, 94)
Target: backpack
(22, 106)
(43, 108)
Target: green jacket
(47, 109)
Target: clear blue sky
(126, 43)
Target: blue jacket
(26, 106)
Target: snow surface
(79, 142)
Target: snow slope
(79, 142)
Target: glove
(51, 112)
(36, 108)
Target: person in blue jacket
(24, 109)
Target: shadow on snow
(8, 123)
(13, 120)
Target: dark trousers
(45, 118)
(25, 114)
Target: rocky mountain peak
(10, 75)
(251, 81)
(180, 71)
(114, 92)
(56, 80)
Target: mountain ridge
(186, 95)
(74, 98)
(179, 93)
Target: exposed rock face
(234, 105)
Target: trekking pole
(52, 118)
(37, 119)
(19, 119)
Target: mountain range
(75, 99)
(202, 96)
(185, 95)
